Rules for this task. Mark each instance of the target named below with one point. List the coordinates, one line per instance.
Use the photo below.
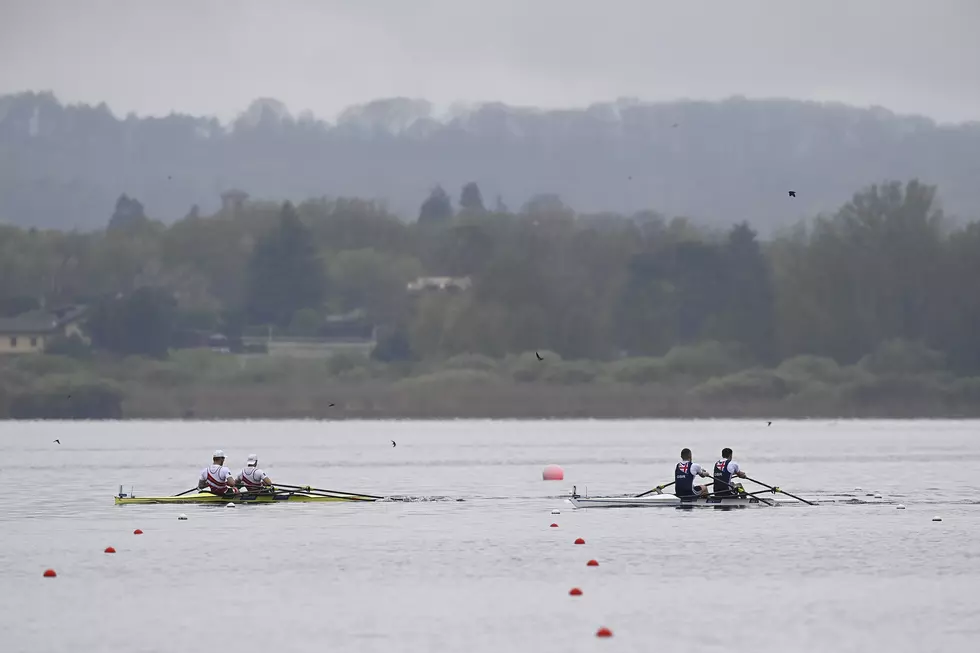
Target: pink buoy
(553, 473)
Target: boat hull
(208, 498)
(672, 501)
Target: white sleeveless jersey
(252, 477)
(217, 478)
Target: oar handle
(187, 491)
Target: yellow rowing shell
(208, 498)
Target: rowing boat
(279, 496)
(672, 501)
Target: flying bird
(539, 356)
(392, 443)
(58, 441)
(332, 405)
(769, 424)
(792, 193)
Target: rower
(251, 478)
(725, 470)
(684, 473)
(217, 477)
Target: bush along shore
(899, 379)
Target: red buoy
(603, 632)
(109, 549)
(554, 525)
(553, 473)
(580, 541)
(591, 563)
(575, 592)
(137, 532)
(49, 573)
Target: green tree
(141, 323)
(285, 273)
(437, 209)
(471, 199)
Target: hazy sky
(215, 57)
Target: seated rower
(217, 478)
(684, 474)
(725, 470)
(251, 478)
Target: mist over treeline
(718, 163)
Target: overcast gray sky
(214, 57)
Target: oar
(317, 493)
(186, 491)
(656, 489)
(307, 488)
(735, 490)
(776, 489)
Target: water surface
(475, 566)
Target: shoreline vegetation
(689, 382)
(336, 309)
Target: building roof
(41, 322)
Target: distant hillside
(718, 162)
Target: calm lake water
(473, 565)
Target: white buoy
(230, 505)
(182, 517)
(937, 518)
(556, 512)
(877, 496)
(900, 506)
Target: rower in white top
(216, 477)
(727, 469)
(251, 478)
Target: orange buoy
(553, 473)
(592, 563)
(603, 632)
(580, 541)
(137, 532)
(49, 573)
(575, 592)
(109, 549)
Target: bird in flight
(332, 405)
(392, 443)
(58, 441)
(792, 193)
(539, 356)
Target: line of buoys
(556, 473)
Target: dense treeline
(720, 162)
(886, 268)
